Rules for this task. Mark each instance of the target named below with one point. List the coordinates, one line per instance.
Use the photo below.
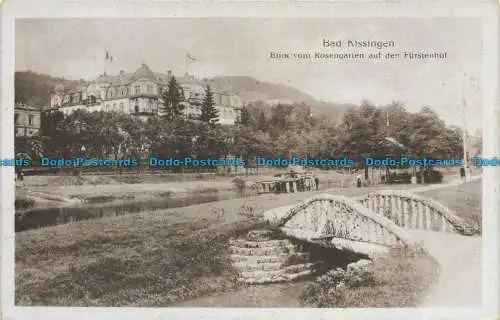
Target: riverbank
(151, 185)
(158, 258)
(40, 191)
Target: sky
(75, 49)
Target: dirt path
(459, 259)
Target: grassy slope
(127, 261)
(158, 258)
(464, 199)
(401, 281)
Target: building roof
(22, 106)
(144, 72)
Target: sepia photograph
(248, 162)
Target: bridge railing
(327, 216)
(411, 211)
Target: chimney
(122, 72)
(169, 74)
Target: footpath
(459, 259)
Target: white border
(487, 11)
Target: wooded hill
(34, 89)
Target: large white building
(139, 93)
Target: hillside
(252, 90)
(34, 89)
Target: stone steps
(267, 251)
(260, 235)
(281, 278)
(293, 269)
(266, 266)
(259, 244)
(261, 257)
(282, 257)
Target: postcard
(226, 160)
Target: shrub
(24, 203)
(329, 290)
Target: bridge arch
(412, 211)
(340, 220)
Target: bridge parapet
(411, 211)
(338, 219)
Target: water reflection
(43, 217)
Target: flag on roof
(108, 56)
(190, 57)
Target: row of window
(150, 108)
(67, 100)
(25, 132)
(124, 91)
(31, 119)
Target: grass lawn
(155, 259)
(464, 199)
(401, 281)
(149, 261)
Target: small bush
(328, 290)
(403, 276)
(24, 203)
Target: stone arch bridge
(368, 224)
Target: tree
(279, 119)
(210, 142)
(172, 98)
(51, 129)
(244, 117)
(262, 121)
(209, 113)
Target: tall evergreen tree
(262, 122)
(244, 117)
(172, 98)
(208, 111)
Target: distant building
(140, 93)
(27, 120)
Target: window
(122, 108)
(114, 106)
(137, 89)
(31, 119)
(16, 118)
(150, 89)
(136, 109)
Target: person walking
(462, 173)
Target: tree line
(283, 130)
